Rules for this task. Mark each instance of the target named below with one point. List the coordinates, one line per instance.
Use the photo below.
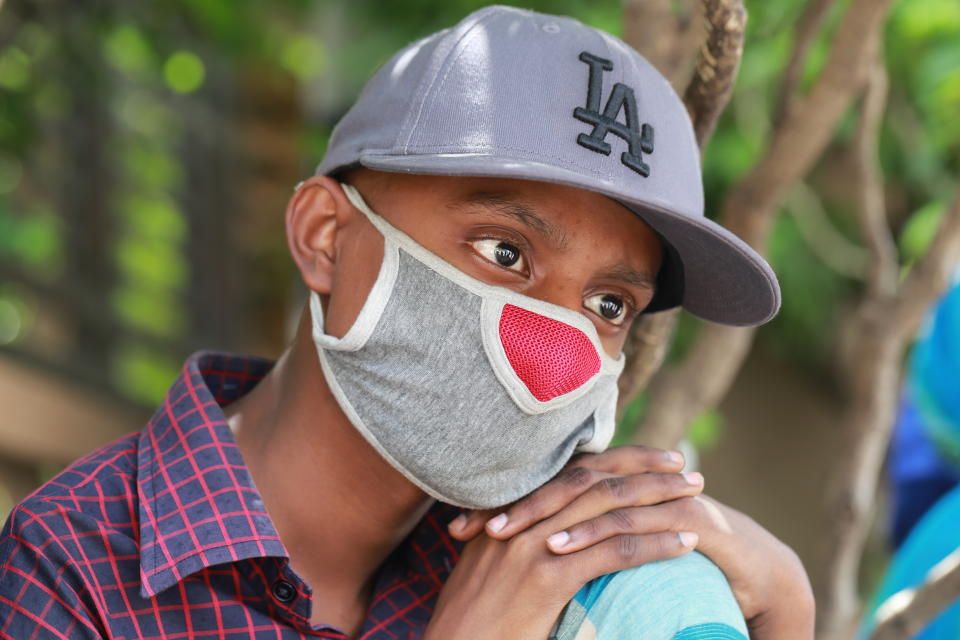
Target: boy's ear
(315, 213)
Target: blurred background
(147, 151)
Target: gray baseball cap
(513, 93)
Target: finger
(674, 515)
(469, 524)
(618, 492)
(579, 494)
(630, 459)
(543, 503)
(571, 482)
(628, 551)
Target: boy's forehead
(565, 220)
(533, 203)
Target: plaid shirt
(162, 534)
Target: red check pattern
(162, 534)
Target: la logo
(639, 138)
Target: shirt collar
(198, 504)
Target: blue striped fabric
(685, 598)
(709, 631)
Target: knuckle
(546, 574)
(523, 544)
(530, 503)
(622, 520)
(627, 547)
(588, 530)
(576, 477)
(615, 486)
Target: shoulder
(55, 541)
(96, 493)
(682, 598)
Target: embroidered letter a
(639, 138)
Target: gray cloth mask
(475, 393)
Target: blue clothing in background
(924, 466)
(919, 474)
(934, 376)
(925, 451)
(936, 536)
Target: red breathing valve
(551, 357)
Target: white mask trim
(372, 309)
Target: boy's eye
(503, 253)
(607, 305)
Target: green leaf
(920, 230)
(184, 72)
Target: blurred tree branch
(822, 236)
(667, 33)
(886, 319)
(681, 393)
(705, 97)
(807, 29)
(906, 613)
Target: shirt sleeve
(683, 598)
(41, 593)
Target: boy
(476, 244)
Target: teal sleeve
(685, 598)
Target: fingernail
(558, 540)
(674, 456)
(497, 523)
(693, 478)
(688, 538)
(458, 523)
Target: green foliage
(184, 72)
(14, 69)
(631, 418)
(920, 230)
(14, 315)
(161, 62)
(706, 430)
(811, 294)
(144, 375)
(127, 49)
(33, 239)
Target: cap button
(551, 27)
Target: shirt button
(283, 591)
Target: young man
(476, 244)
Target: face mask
(475, 393)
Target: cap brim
(725, 280)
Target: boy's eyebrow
(504, 204)
(632, 276)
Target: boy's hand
(638, 490)
(516, 587)
(623, 477)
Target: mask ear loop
(366, 321)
